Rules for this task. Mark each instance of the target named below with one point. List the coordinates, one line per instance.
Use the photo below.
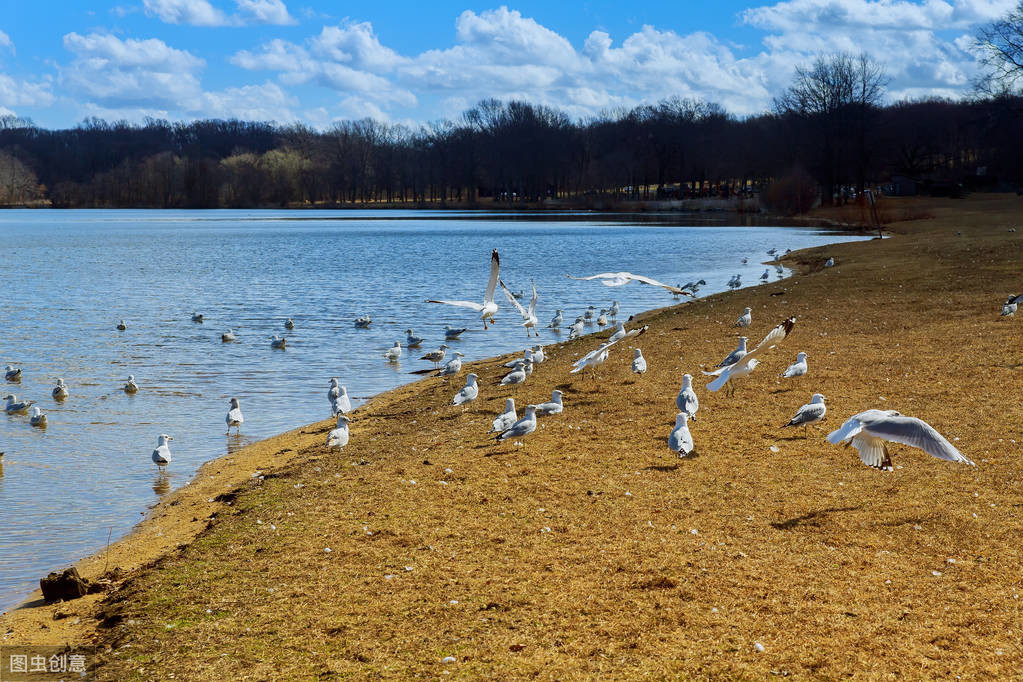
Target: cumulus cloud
(203, 13)
(20, 93)
(5, 41)
(272, 12)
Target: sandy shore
(590, 550)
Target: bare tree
(1001, 50)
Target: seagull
(735, 282)
(767, 274)
(452, 334)
(1009, 309)
(576, 329)
(334, 391)
(686, 400)
(617, 279)
(234, 416)
(468, 393)
(411, 340)
(526, 355)
(522, 427)
(121, 326)
(517, 375)
(602, 319)
(797, 368)
(868, 431)
(829, 262)
(338, 438)
(693, 286)
(736, 354)
(772, 252)
(528, 315)
(393, 354)
(435, 356)
(638, 362)
(553, 407)
(363, 322)
(37, 418)
(613, 310)
(745, 319)
(228, 336)
(588, 315)
(14, 406)
(453, 366)
(749, 361)
(197, 317)
(131, 387)
(597, 357)
(488, 308)
(811, 413)
(538, 355)
(618, 334)
(680, 440)
(162, 455)
(278, 342)
(504, 420)
(557, 320)
(289, 323)
(745, 260)
(12, 374)
(60, 391)
(341, 404)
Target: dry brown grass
(574, 556)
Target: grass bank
(590, 550)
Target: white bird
(538, 355)
(829, 262)
(289, 323)
(528, 314)
(576, 329)
(736, 354)
(686, 400)
(469, 392)
(121, 326)
(602, 318)
(411, 340)
(197, 317)
(745, 319)
(1009, 309)
(338, 438)
(680, 440)
(37, 418)
(518, 374)
(450, 334)
(12, 374)
(618, 334)
(488, 307)
(341, 404)
(555, 405)
(613, 310)
(693, 286)
(767, 274)
(234, 416)
(749, 361)
(228, 336)
(60, 391)
(522, 427)
(504, 420)
(393, 354)
(868, 431)
(811, 413)
(435, 356)
(162, 453)
(452, 366)
(638, 362)
(278, 342)
(131, 386)
(363, 322)
(557, 319)
(526, 355)
(797, 368)
(14, 406)
(617, 279)
(597, 357)
(588, 315)
(334, 391)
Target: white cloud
(5, 41)
(266, 102)
(203, 13)
(273, 12)
(19, 93)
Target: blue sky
(414, 62)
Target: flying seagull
(617, 279)
(528, 315)
(868, 431)
(488, 307)
(749, 361)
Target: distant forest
(829, 132)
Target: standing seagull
(797, 368)
(736, 354)
(488, 308)
(869, 430)
(435, 356)
(638, 362)
(469, 392)
(528, 315)
(538, 355)
(745, 319)
(334, 391)
(12, 374)
(680, 440)
(452, 366)
(811, 413)
(597, 357)
(338, 438)
(393, 354)
(341, 403)
(411, 340)
(518, 374)
(767, 274)
(234, 416)
(686, 400)
(60, 391)
(613, 310)
(556, 320)
(1009, 308)
(576, 329)
(522, 427)
(555, 406)
(131, 387)
(162, 454)
(504, 420)
(749, 361)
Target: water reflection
(161, 485)
(236, 442)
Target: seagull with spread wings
(868, 431)
(617, 279)
(597, 357)
(748, 362)
(488, 307)
(529, 316)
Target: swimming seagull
(197, 317)
(811, 413)
(162, 453)
(60, 391)
(121, 326)
(638, 362)
(334, 391)
(617, 279)
(745, 319)
(338, 438)
(528, 315)
(12, 374)
(37, 418)
(686, 400)
(556, 320)
(234, 416)
(14, 406)
(680, 440)
(393, 354)
(451, 334)
(797, 368)
(228, 336)
(736, 354)
(597, 357)
(555, 406)
(749, 361)
(131, 387)
(363, 322)
(488, 308)
(289, 323)
(435, 356)
(341, 404)
(411, 340)
(504, 420)
(468, 393)
(522, 427)
(278, 342)
(452, 366)
(868, 431)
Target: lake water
(70, 276)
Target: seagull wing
(775, 336)
(461, 304)
(532, 301)
(851, 427)
(617, 279)
(807, 413)
(495, 271)
(606, 345)
(513, 301)
(916, 433)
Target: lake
(72, 275)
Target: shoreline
(166, 531)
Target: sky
(414, 62)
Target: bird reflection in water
(235, 442)
(161, 484)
